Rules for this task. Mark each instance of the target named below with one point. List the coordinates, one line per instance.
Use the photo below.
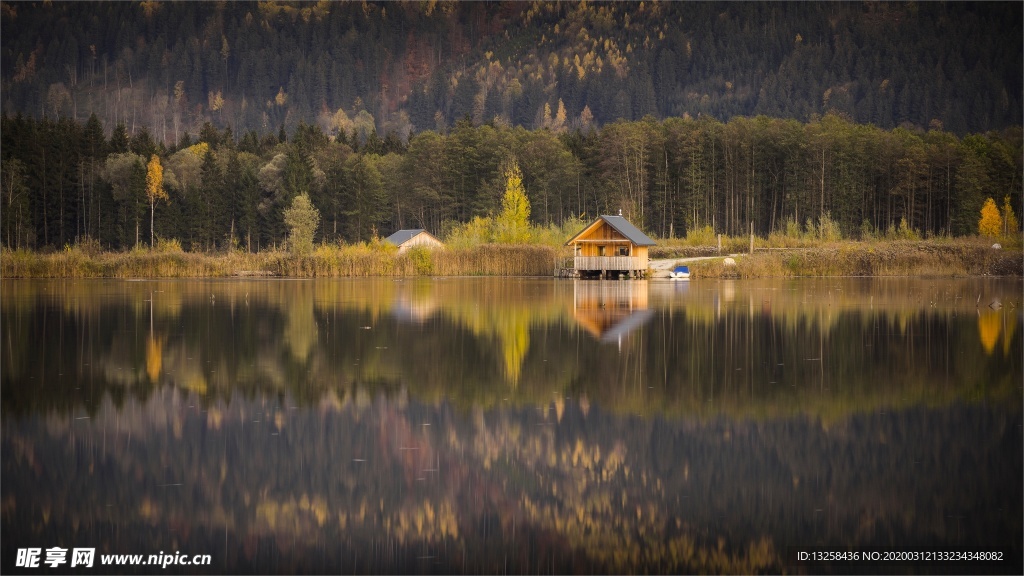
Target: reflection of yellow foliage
(1011, 327)
(515, 341)
(267, 512)
(300, 332)
(214, 418)
(196, 382)
(317, 507)
(154, 357)
(148, 509)
(319, 510)
(419, 522)
(989, 326)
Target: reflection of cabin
(414, 305)
(610, 310)
(406, 239)
(608, 247)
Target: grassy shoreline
(324, 261)
(960, 257)
(889, 258)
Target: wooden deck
(598, 263)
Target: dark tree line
(65, 182)
(419, 66)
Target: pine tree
(119, 140)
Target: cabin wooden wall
(588, 246)
(420, 239)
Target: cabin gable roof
(403, 236)
(620, 225)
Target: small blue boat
(680, 273)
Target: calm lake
(505, 425)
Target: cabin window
(600, 250)
(623, 250)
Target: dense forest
(685, 116)
(411, 66)
(65, 181)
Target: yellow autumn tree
(154, 189)
(991, 223)
(558, 124)
(1010, 224)
(513, 225)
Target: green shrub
(903, 232)
(422, 260)
(168, 246)
(828, 229)
(793, 229)
(703, 236)
(867, 230)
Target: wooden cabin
(609, 247)
(406, 239)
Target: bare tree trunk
(822, 210)
(46, 224)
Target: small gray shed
(406, 239)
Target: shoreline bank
(893, 258)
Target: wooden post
(719, 243)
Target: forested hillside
(685, 116)
(413, 66)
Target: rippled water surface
(491, 425)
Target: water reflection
(610, 310)
(480, 425)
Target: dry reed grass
(800, 257)
(375, 259)
(963, 257)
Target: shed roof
(403, 236)
(624, 227)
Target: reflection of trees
(313, 427)
(523, 490)
(828, 348)
(300, 328)
(993, 326)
